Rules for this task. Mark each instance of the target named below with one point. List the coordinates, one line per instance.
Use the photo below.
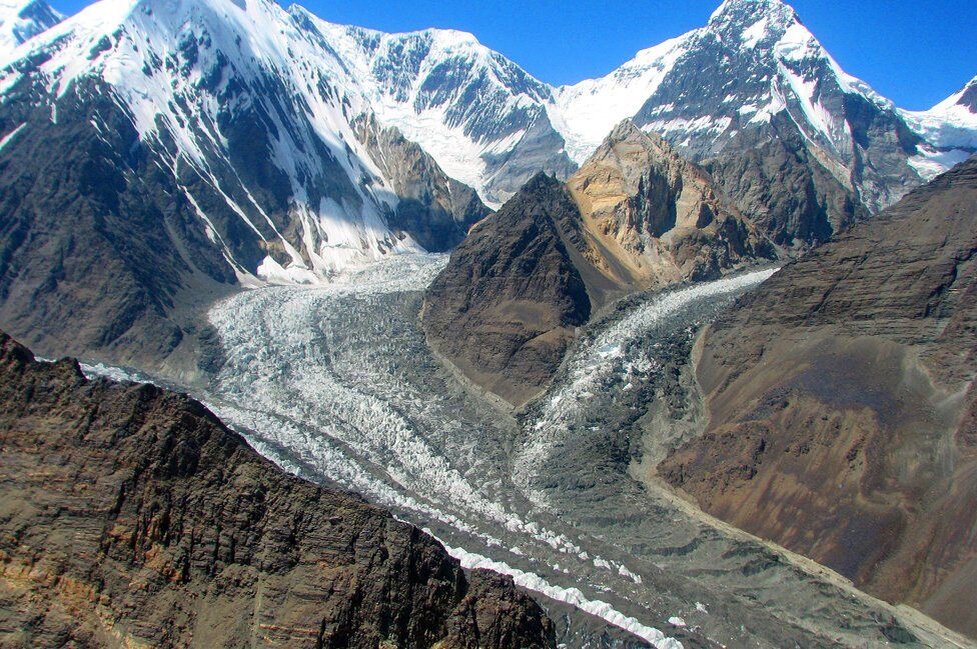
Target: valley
(684, 354)
(336, 384)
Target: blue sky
(916, 52)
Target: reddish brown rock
(130, 516)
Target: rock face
(433, 209)
(505, 307)
(635, 217)
(132, 517)
(841, 405)
(754, 86)
(770, 174)
(653, 218)
(100, 250)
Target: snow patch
(573, 596)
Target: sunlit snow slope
(248, 109)
(950, 131)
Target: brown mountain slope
(131, 517)
(434, 209)
(842, 406)
(505, 307)
(635, 217)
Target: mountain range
(160, 158)
(246, 143)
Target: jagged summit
(750, 12)
(966, 97)
(625, 129)
(949, 128)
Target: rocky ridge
(133, 517)
(505, 307)
(165, 155)
(434, 209)
(654, 219)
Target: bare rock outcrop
(635, 217)
(434, 209)
(505, 307)
(653, 218)
(131, 517)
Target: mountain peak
(752, 21)
(21, 20)
(626, 129)
(750, 11)
(968, 96)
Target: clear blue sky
(916, 52)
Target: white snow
(930, 163)
(15, 29)
(585, 113)
(572, 596)
(948, 125)
(755, 33)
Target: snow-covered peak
(965, 97)
(21, 20)
(465, 104)
(586, 111)
(752, 56)
(743, 14)
(949, 129)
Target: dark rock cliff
(434, 209)
(130, 516)
(842, 407)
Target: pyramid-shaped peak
(968, 96)
(625, 130)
